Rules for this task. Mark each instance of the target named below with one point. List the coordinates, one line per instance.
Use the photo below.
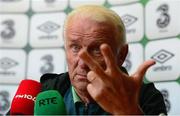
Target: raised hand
(115, 91)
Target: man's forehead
(78, 20)
(89, 27)
(79, 27)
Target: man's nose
(82, 64)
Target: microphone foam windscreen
(23, 101)
(49, 103)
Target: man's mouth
(81, 76)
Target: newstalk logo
(25, 96)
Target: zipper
(86, 108)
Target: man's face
(84, 34)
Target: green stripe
(76, 98)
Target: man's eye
(75, 48)
(96, 51)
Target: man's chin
(82, 86)
(80, 82)
(83, 82)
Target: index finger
(90, 62)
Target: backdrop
(31, 42)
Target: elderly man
(96, 82)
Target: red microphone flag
(23, 101)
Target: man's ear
(122, 54)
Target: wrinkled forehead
(87, 24)
(88, 27)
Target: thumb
(139, 74)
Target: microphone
(49, 103)
(23, 101)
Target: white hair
(100, 14)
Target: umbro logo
(7, 63)
(162, 56)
